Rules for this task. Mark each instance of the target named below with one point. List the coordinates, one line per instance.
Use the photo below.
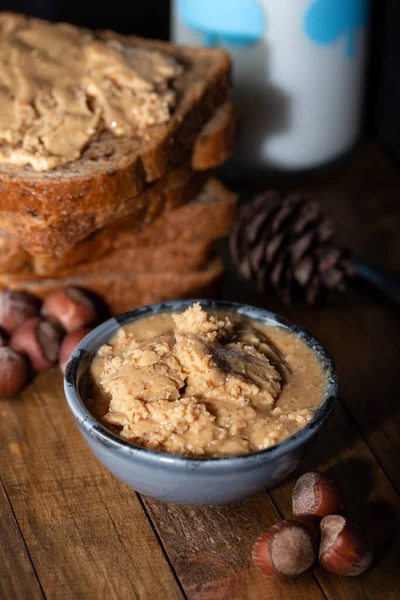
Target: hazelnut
(287, 549)
(40, 339)
(16, 308)
(14, 372)
(69, 344)
(316, 494)
(345, 549)
(71, 307)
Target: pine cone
(283, 241)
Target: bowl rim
(106, 330)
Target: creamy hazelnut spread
(202, 384)
(60, 87)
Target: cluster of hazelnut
(319, 529)
(34, 336)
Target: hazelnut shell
(71, 307)
(316, 494)
(40, 339)
(14, 372)
(345, 548)
(286, 550)
(16, 308)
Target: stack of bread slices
(133, 219)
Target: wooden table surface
(70, 530)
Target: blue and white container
(299, 70)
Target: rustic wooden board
(17, 574)
(70, 530)
(87, 534)
(211, 547)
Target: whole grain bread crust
(215, 142)
(169, 257)
(181, 236)
(57, 234)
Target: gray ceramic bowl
(181, 479)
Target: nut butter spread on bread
(61, 87)
(137, 107)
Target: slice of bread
(209, 216)
(124, 291)
(215, 142)
(40, 232)
(173, 256)
(112, 168)
(55, 235)
(178, 240)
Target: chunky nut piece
(71, 307)
(69, 344)
(40, 339)
(316, 494)
(345, 549)
(16, 308)
(285, 550)
(14, 372)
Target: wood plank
(87, 534)
(17, 575)
(211, 547)
(370, 499)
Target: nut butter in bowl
(200, 402)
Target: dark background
(150, 18)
